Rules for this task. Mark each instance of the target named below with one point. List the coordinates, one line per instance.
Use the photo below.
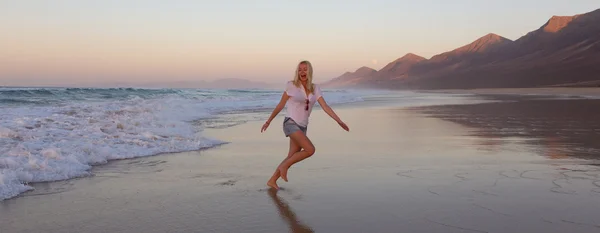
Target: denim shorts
(290, 126)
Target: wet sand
(560, 91)
(518, 166)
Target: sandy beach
(520, 165)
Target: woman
(302, 95)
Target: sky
(111, 41)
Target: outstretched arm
(331, 113)
(278, 108)
(328, 110)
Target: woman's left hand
(344, 126)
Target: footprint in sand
(228, 183)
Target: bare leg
(294, 147)
(309, 149)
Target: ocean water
(50, 134)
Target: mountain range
(225, 83)
(565, 51)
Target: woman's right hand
(344, 126)
(264, 127)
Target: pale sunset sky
(75, 41)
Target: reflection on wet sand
(287, 214)
(551, 127)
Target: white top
(296, 104)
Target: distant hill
(228, 83)
(564, 51)
(351, 78)
(236, 83)
(399, 68)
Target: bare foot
(283, 173)
(273, 184)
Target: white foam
(11, 184)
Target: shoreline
(437, 168)
(387, 101)
(64, 142)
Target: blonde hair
(309, 76)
